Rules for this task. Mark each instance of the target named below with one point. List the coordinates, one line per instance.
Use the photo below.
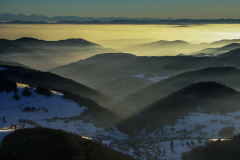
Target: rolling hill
(217, 51)
(105, 67)
(43, 55)
(22, 103)
(132, 103)
(202, 97)
(53, 81)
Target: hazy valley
(164, 99)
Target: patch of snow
(139, 76)
(157, 79)
(107, 142)
(2, 68)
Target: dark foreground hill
(220, 150)
(51, 144)
(208, 97)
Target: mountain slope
(225, 75)
(105, 67)
(207, 97)
(43, 55)
(221, 50)
(41, 106)
(53, 81)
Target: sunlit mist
(122, 36)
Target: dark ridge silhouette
(51, 144)
(67, 42)
(23, 22)
(217, 51)
(90, 20)
(220, 150)
(207, 97)
(28, 39)
(235, 53)
(230, 46)
(163, 43)
(49, 80)
(111, 20)
(230, 58)
(226, 41)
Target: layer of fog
(129, 38)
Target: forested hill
(228, 76)
(51, 144)
(100, 116)
(53, 81)
(208, 97)
(220, 150)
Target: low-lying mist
(130, 38)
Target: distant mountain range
(41, 18)
(36, 19)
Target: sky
(193, 9)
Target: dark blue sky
(194, 9)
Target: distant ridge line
(181, 22)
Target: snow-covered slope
(53, 112)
